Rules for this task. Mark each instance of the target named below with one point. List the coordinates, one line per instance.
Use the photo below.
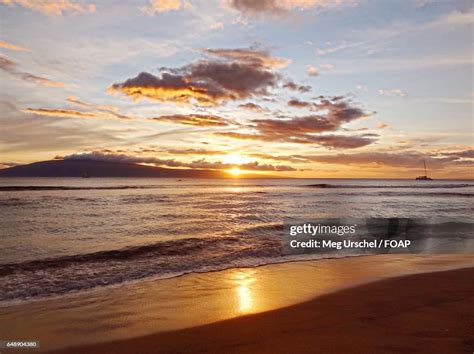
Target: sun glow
(235, 159)
(245, 297)
(235, 171)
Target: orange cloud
(237, 74)
(107, 109)
(100, 112)
(59, 113)
(162, 6)
(251, 56)
(7, 45)
(201, 120)
(52, 7)
(312, 71)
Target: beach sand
(422, 313)
(329, 304)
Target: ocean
(65, 235)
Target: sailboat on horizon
(425, 177)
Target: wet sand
(422, 313)
(138, 310)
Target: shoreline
(433, 313)
(13, 303)
(85, 292)
(199, 299)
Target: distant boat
(425, 177)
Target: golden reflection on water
(235, 189)
(245, 294)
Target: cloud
(52, 7)
(252, 107)
(7, 45)
(193, 152)
(106, 109)
(279, 158)
(100, 112)
(392, 92)
(331, 48)
(333, 113)
(8, 164)
(299, 104)
(406, 159)
(201, 120)
(162, 6)
(59, 113)
(237, 74)
(250, 56)
(281, 7)
(326, 66)
(338, 141)
(328, 141)
(295, 87)
(28, 137)
(312, 71)
(217, 26)
(41, 80)
(10, 67)
(456, 18)
(460, 154)
(336, 108)
(196, 164)
(383, 126)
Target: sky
(288, 88)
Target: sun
(234, 159)
(235, 171)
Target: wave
(64, 188)
(56, 276)
(408, 194)
(250, 247)
(378, 186)
(433, 194)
